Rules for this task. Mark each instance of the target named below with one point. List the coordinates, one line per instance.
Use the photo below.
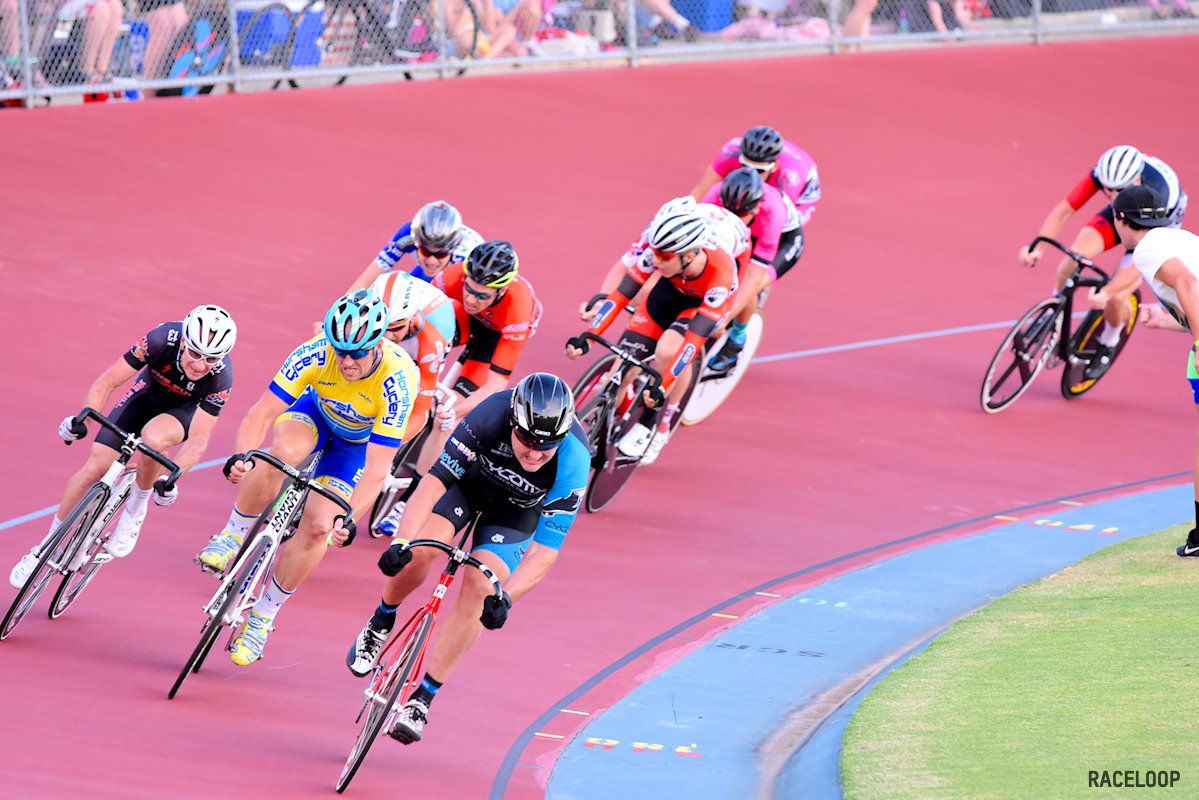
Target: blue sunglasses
(355, 354)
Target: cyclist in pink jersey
(782, 164)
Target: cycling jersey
(706, 298)
(496, 336)
(767, 226)
(1157, 247)
(479, 458)
(374, 408)
(1156, 174)
(427, 345)
(405, 243)
(794, 175)
(159, 355)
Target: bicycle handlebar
(460, 556)
(300, 477)
(135, 442)
(1082, 260)
(655, 376)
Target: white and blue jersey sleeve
(563, 499)
(400, 245)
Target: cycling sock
(1110, 336)
(385, 617)
(272, 600)
(138, 499)
(411, 488)
(56, 523)
(239, 523)
(667, 415)
(737, 332)
(426, 691)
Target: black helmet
(761, 144)
(742, 190)
(543, 410)
(492, 264)
(437, 226)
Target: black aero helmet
(437, 226)
(543, 409)
(742, 190)
(492, 264)
(761, 144)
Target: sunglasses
(484, 296)
(194, 356)
(354, 354)
(532, 442)
(761, 169)
(427, 253)
(1135, 214)
(661, 256)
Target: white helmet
(209, 331)
(1119, 167)
(400, 292)
(676, 206)
(678, 232)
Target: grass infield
(1091, 669)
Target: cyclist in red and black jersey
(689, 302)
(182, 376)
(497, 313)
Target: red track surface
(937, 165)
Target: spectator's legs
(10, 37)
(103, 27)
(858, 21)
(165, 24)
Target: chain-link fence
(137, 48)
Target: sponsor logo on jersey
(399, 401)
(462, 448)
(683, 360)
(447, 461)
(564, 505)
(314, 352)
(497, 538)
(716, 296)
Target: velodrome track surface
(937, 165)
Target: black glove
(350, 526)
(656, 396)
(161, 496)
(233, 459)
(579, 343)
(394, 559)
(495, 610)
(71, 429)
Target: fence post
(1038, 23)
(630, 30)
(27, 57)
(833, 9)
(235, 44)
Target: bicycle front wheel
(55, 554)
(1022, 355)
(385, 691)
(591, 402)
(712, 390)
(611, 476)
(89, 556)
(235, 589)
(1082, 349)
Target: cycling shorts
(341, 464)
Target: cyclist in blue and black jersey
(435, 238)
(519, 459)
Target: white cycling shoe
(124, 538)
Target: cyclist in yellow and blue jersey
(348, 394)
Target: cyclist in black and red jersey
(497, 313)
(1118, 168)
(182, 376)
(521, 461)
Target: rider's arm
(609, 310)
(1059, 216)
(378, 463)
(532, 568)
(1174, 274)
(418, 509)
(372, 271)
(710, 178)
(102, 388)
(1125, 280)
(253, 429)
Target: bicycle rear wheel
(54, 555)
(234, 589)
(1022, 355)
(381, 701)
(1082, 349)
(712, 390)
(402, 466)
(90, 555)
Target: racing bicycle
(398, 672)
(608, 402)
(76, 550)
(1044, 337)
(244, 580)
(713, 387)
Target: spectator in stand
(858, 21)
(104, 19)
(498, 21)
(10, 43)
(1182, 10)
(165, 18)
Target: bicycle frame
(1076, 280)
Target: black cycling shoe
(1190, 547)
(1099, 362)
(724, 361)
